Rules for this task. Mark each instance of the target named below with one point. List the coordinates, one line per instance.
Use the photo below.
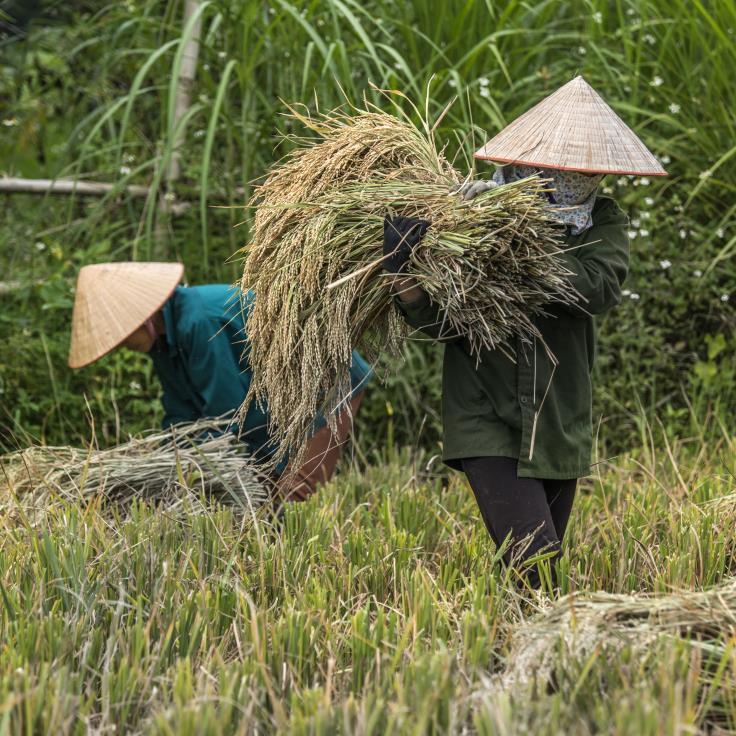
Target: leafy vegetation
(88, 92)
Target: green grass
(89, 92)
(376, 608)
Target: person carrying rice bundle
(521, 428)
(196, 337)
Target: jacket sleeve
(423, 314)
(600, 265)
(176, 408)
(213, 368)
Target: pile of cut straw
(581, 624)
(164, 467)
(314, 261)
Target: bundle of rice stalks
(582, 624)
(314, 260)
(164, 467)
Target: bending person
(195, 337)
(520, 430)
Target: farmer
(521, 430)
(195, 337)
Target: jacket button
(523, 399)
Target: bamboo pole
(184, 85)
(13, 184)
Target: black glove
(400, 236)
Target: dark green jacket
(495, 408)
(203, 370)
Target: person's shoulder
(208, 301)
(606, 211)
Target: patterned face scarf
(574, 195)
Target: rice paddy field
(379, 606)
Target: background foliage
(86, 90)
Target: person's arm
(400, 236)
(176, 409)
(214, 371)
(600, 265)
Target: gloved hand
(470, 189)
(400, 236)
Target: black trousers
(520, 508)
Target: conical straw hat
(112, 301)
(574, 129)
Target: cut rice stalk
(314, 262)
(165, 467)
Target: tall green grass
(90, 94)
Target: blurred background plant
(88, 90)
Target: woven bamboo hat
(574, 129)
(112, 301)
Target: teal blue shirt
(202, 367)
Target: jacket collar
(168, 341)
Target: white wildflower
(720, 233)
(129, 158)
(10, 122)
(665, 159)
(40, 246)
(634, 296)
(135, 386)
(199, 133)
(222, 54)
(598, 17)
(644, 233)
(725, 297)
(648, 201)
(582, 50)
(644, 181)
(626, 292)
(657, 82)
(452, 82)
(674, 108)
(169, 196)
(484, 92)
(632, 234)
(665, 264)
(621, 181)
(705, 174)
(697, 273)
(636, 222)
(483, 81)
(683, 233)
(646, 215)
(206, 67)
(125, 170)
(607, 190)
(648, 38)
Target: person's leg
(323, 452)
(512, 505)
(560, 496)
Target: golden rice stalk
(166, 467)
(583, 623)
(313, 282)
